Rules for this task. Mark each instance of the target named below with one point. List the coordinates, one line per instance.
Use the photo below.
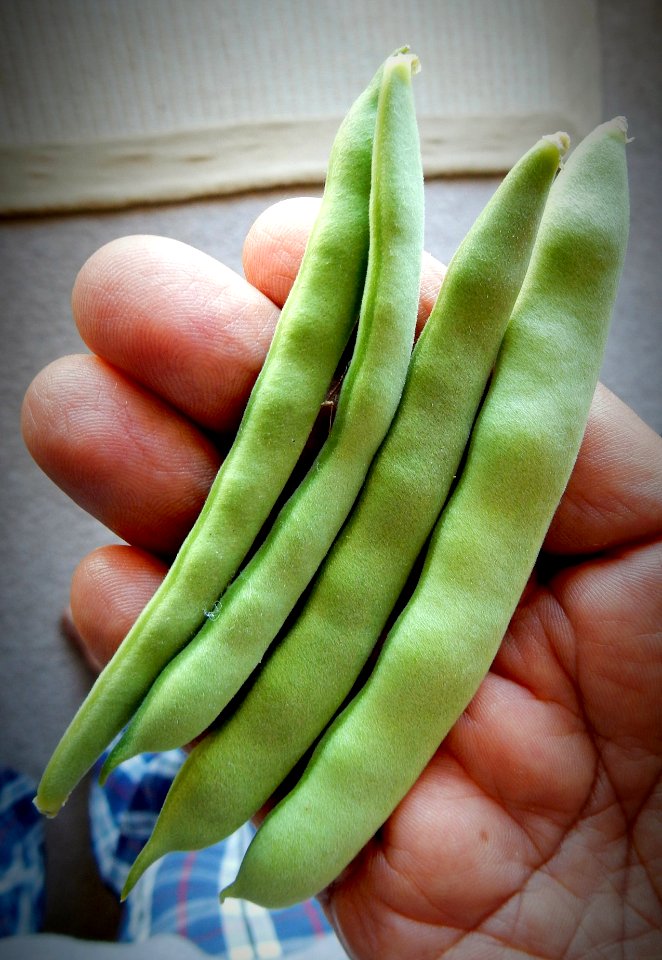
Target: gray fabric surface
(162, 947)
(43, 535)
(59, 947)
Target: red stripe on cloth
(182, 893)
(315, 920)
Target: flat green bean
(485, 544)
(193, 689)
(231, 773)
(195, 686)
(312, 333)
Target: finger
(177, 321)
(109, 588)
(614, 496)
(276, 242)
(70, 631)
(191, 329)
(117, 450)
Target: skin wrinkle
(591, 719)
(517, 896)
(55, 424)
(169, 470)
(173, 468)
(575, 672)
(514, 951)
(283, 270)
(544, 610)
(631, 897)
(629, 901)
(491, 800)
(227, 315)
(389, 854)
(529, 808)
(616, 510)
(394, 911)
(97, 575)
(520, 681)
(612, 804)
(545, 865)
(605, 457)
(615, 882)
(505, 939)
(533, 868)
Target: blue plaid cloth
(176, 895)
(179, 893)
(22, 891)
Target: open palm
(536, 829)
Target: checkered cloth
(177, 895)
(22, 900)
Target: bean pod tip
(560, 140)
(621, 124)
(45, 810)
(404, 57)
(617, 126)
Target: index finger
(189, 328)
(176, 321)
(275, 244)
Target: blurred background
(187, 120)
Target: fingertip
(177, 321)
(41, 413)
(433, 272)
(274, 246)
(109, 588)
(100, 286)
(276, 242)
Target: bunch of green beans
(234, 770)
(485, 543)
(311, 335)
(212, 668)
(426, 507)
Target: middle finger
(179, 322)
(119, 451)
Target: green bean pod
(484, 546)
(312, 332)
(234, 770)
(195, 686)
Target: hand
(536, 828)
